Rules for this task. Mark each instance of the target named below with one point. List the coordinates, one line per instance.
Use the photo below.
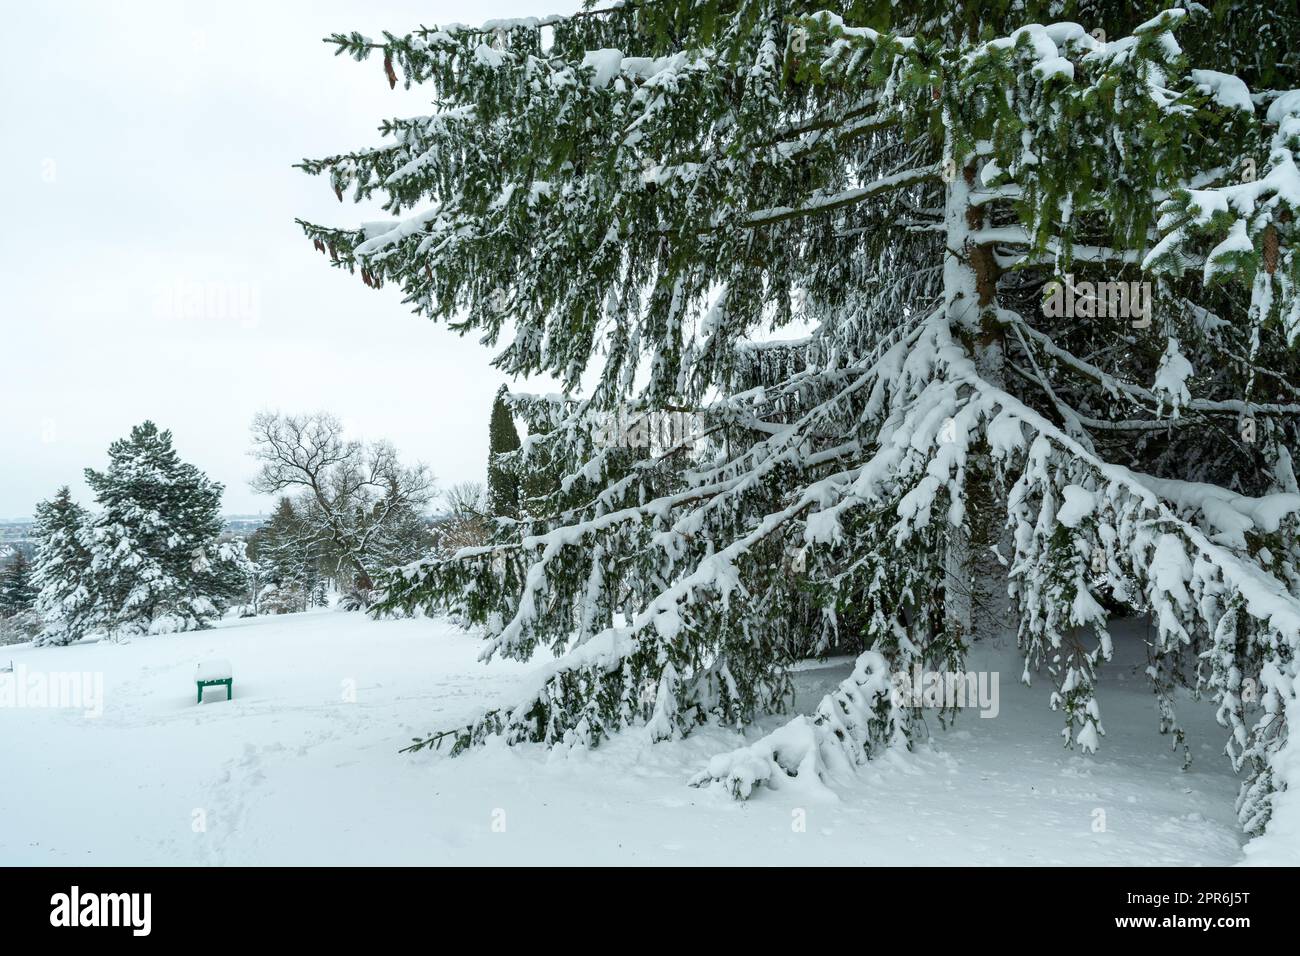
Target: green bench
(215, 674)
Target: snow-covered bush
(276, 599)
(355, 599)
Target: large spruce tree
(943, 199)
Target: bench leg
(200, 700)
(230, 689)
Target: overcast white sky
(148, 151)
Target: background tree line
(152, 556)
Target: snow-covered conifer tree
(156, 563)
(503, 438)
(17, 593)
(61, 570)
(290, 552)
(1039, 283)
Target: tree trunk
(975, 589)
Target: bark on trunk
(975, 602)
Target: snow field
(302, 767)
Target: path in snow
(293, 772)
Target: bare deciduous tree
(463, 522)
(358, 494)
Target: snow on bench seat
(214, 670)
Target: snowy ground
(290, 772)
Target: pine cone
(1270, 249)
(388, 70)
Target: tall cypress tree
(502, 481)
(1052, 282)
